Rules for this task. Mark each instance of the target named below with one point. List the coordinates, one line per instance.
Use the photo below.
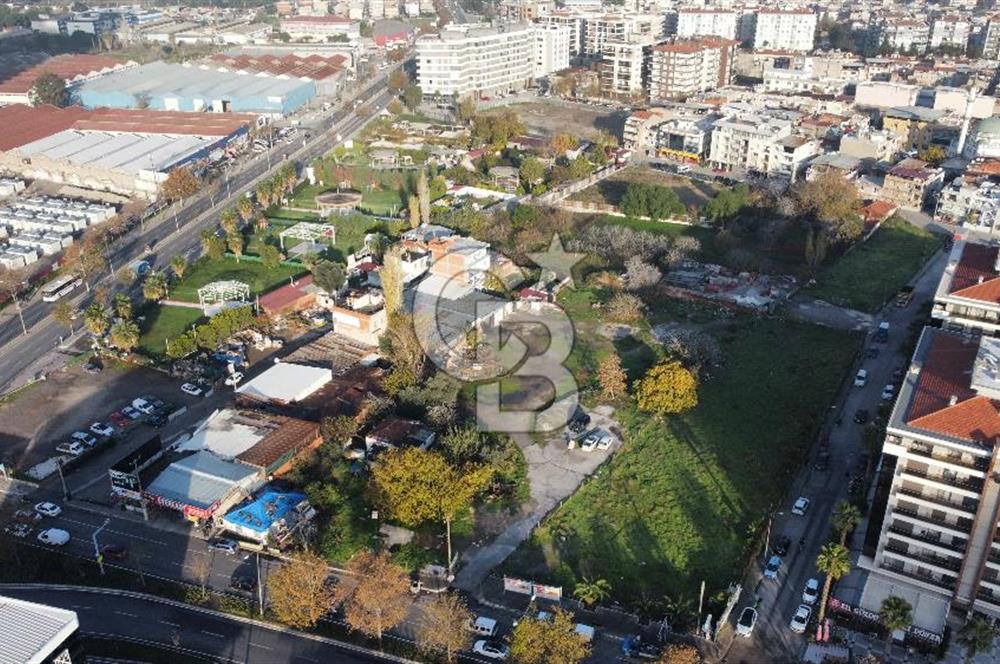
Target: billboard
(530, 588)
(124, 473)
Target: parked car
(156, 421)
(18, 530)
(225, 545)
(131, 413)
(772, 567)
(882, 333)
(87, 439)
(904, 297)
(781, 544)
(861, 416)
(490, 649)
(632, 646)
(871, 353)
(48, 509)
(801, 506)
(483, 626)
(578, 422)
(102, 429)
(93, 366)
(589, 442)
(27, 515)
(811, 591)
(801, 619)
(119, 419)
(246, 584)
(747, 621)
(74, 448)
(192, 389)
(888, 392)
(114, 552)
(142, 406)
(861, 378)
(234, 378)
(605, 442)
(53, 537)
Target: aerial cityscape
(537, 331)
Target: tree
(835, 562)
(270, 256)
(181, 183)
(154, 287)
(829, 204)
(680, 654)
(338, 430)
(96, 319)
(727, 204)
(552, 641)
(391, 276)
(376, 595)
(531, 171)
(49, 88)
(413, 207)
(424, 197)
(591, 592)
(562, 143)
(397, 80)
(933, 155)
(245, 209)
(443, 626)
(640, 275)
(300, 591)
(228, 221)
(124, 335)
(123, 306)
(413, 95)
(63, 314)
(212, 245)
(179, 265)
(328, 275)
(623, 308)
(611, 376)
(465, 109)
(846, 518)
(234, 241)
(896, 614)
(415, 486)
(667, 388)
(977, 636)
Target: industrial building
(32, 633)
(17, 79)
(327, 72)
(173, 87)
(202, 486)
(126, 152)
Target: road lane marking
(215, 634)
(258, 645)
(126, 613)
(167, 622)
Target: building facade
(552, 49)
(473, 60)
(698, 22)
(792, 30)
(967, 299)
(623, 67)
(688, 67)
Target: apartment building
(788, 30)
(933, 536)
(967, 299)
(523, 11)
(916, 124)
(552, 49)
(905, 35)
(950, 30)
(991, 38)
(623, 68)
(803, 78)
(702, 22)
(639, 132)
(883, 94)
(970, 203)
(685, 138)
(687, 67)
(476, 60)
(618, 28)
(911, 183)
(575, 22)
(761, 144)
(879, 145)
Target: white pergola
(309, 231)
(218, 292)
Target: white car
(590, 441)
(102, 429)
(747, 621)
(74, 448)
(605, 442)
(811, 592)
(85, 438)
(490, 649)
(234, 378)
(801, 619)
(143, 406)
(801, 506)
(888, 392)
(861, 378)
(53, 537)
(192, 389)
(48, 509)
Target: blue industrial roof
(267, 508)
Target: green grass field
(163, 322)
(874, 271)
(203, 271)
(678, 503)
(382, 202)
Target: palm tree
(125, 335)
(123, 306)
(591, 592)
(234, 241)
(835, 562)
(154, 287)
(846, 518)
(977, 636)
(96, 319)
(896, 613)
(377, 243)
(228, 220)
(179, 265)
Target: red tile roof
(976, 419)
(68, 67)
(24, 124)
(286, 296)
(976, 264)
(315, 67)
(878, 211)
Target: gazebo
(220, 292)
(337, 202)
(308, 231)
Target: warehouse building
(173, 87)
(126, 152)
(32, 633)
(326, 72)
(202, 486)
(16, 81)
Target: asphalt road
(772, 639)
(172, 234)
(204, 632)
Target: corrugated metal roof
(126, 152)
(286, 382)
(201, 480)
(29, 632)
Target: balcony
(946, 583)
(979, 465)
(927, 518)
(968, 484)
(927, 558)
(983, 596)
(926, 539)
(947, 504)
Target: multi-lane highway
(172, 235)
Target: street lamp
(97, 550)
(767, 538)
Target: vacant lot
(678, 503)
(164, 322)
(554, 117)
(203, 271)
(874, 271)
(612, 189)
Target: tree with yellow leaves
(300, 591)
(553, 641)
(375, 595)
(668, 387)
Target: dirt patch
(69, 400)
(612, 190)
(550, 118)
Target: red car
(119, 419)
(114, 552)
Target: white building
(791, 30)
(698, 22)
(477, 60)
(552, 49)
(320, 27)
(622, 65)
(970, 203)
(906, 35)
(762, 144)
(572, 21)
(684, 68)
(950, 30)
(605, 28)
(882, 94)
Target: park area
(255, 274)
(875, 270)
(684, 498)
(161, 322)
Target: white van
(483, 626)
(683, 168)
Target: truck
(882, 333)
(904, 297)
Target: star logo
(556, 260)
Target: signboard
(125, 484)
(529, 588)
(873, 617)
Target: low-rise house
(911, 183)
(202, 486)
(971, 203)
(845, 166)
(917, 125)
(967, 298)
(360, 315)
(271, 519)
(395, 433)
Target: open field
(204, 271)
(874, 271)
(679, 503)
(611, 190)
(548, 118)
(162, 322)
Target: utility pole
(97, 549)
(260, 589)
(62, 478)
(20, 315)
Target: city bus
(61, 286)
